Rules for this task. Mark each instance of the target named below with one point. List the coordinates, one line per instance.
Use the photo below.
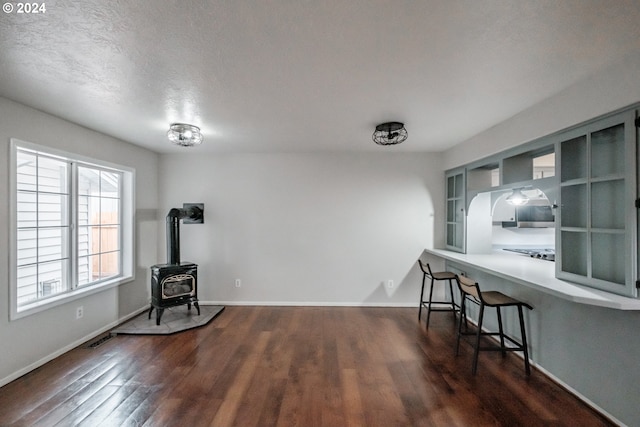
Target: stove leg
(197, 307)
(150, 311)
(159, 315)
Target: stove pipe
(173, 231)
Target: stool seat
(495, 298)
(470, 291)
(442, 305)
(443, 275)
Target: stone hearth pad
(174, 319)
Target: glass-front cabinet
(455, 191)
(597, 229)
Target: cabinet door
(503, 211)
(455, 233)
(597, 231)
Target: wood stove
(175, 283)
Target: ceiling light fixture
(517, 197)
(184, 135)
(390, 133)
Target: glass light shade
(184, 135)
(517, 198)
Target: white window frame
(127, 232)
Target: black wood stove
(176, 283)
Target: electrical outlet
(79, 312)
(238, 283)
(390, 284)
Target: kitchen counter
(537, 274)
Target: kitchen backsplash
(543, 237)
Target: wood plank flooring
(291, 366)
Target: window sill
(39, 306)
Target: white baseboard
(61, 351)
(310, 304)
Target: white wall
(306, 228)
(32, 340)
(479, 225)
(525, 237)
(588, 348)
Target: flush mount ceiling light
(517, 197)
(184, 135)
(390, 133)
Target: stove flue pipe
(173, 231)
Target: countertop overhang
(537, 274)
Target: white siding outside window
(98, 225)
(43, 226)
(73, 226)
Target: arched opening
(495, 224)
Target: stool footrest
(425, 304)
(517, 345)
(443, 309)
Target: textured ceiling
(276, 75)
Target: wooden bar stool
(444, 275)
(470, 291)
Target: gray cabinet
(597, 231)
(455, 210)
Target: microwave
(532, 216)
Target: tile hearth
(175, 319)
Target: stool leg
(524, 341)
(463, 318)
(501, 332)
(466, 324)
(429, 305)
(453, 301)
(477, 349)
(424, 277)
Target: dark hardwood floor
(291, 366)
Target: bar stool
(444, 275)
(470, 291)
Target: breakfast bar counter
(537, 274)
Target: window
(72, 226)
(98, 207)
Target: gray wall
(32, 340)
